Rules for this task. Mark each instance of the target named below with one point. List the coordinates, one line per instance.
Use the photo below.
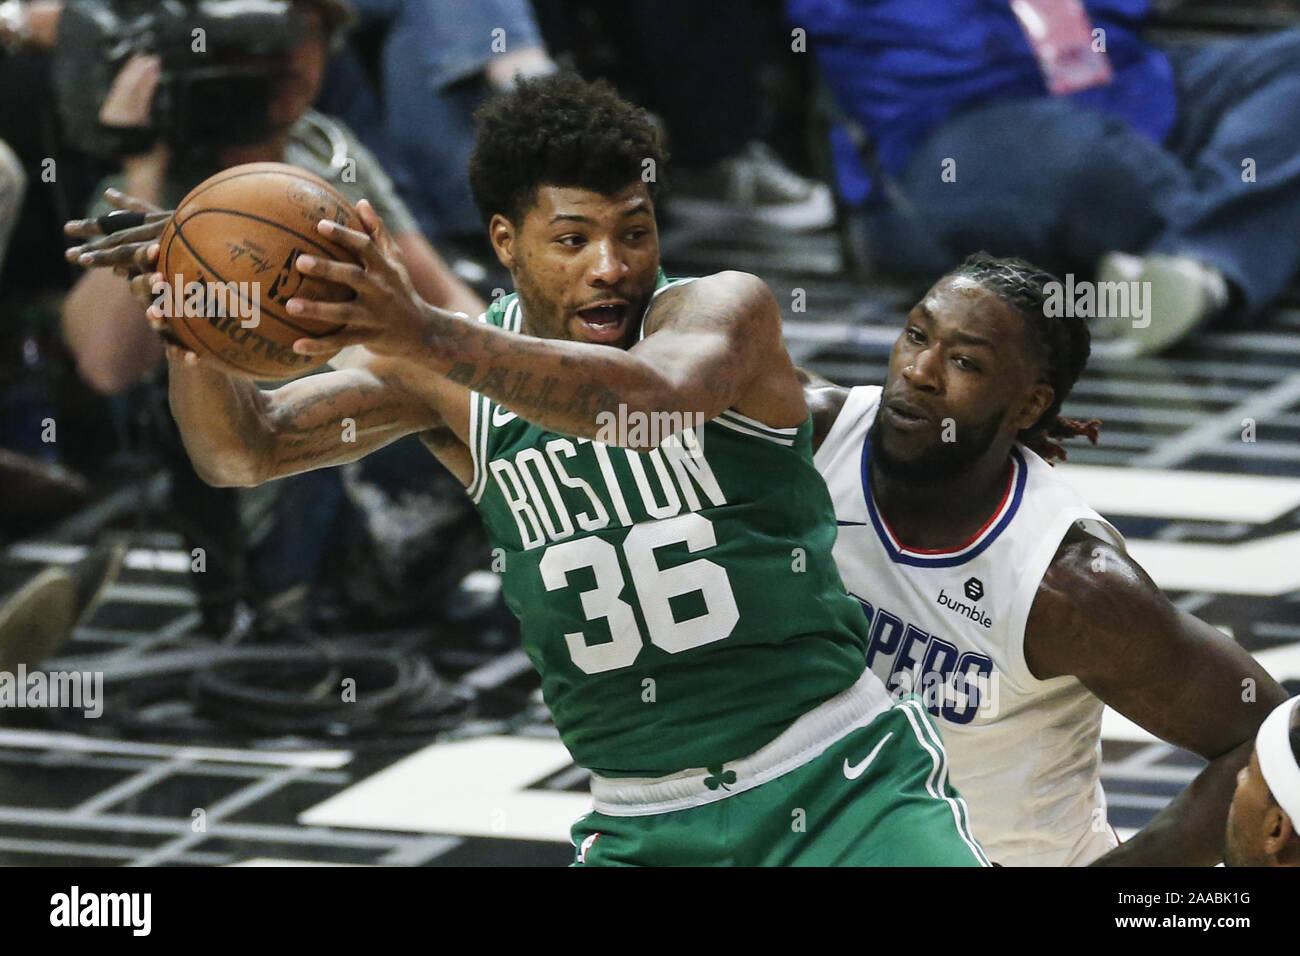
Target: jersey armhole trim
(640, 334)
(480, 415)
(725, 422)
(844, 429)
(770, 430)
(669, 284)
(479, 421)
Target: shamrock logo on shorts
(720, 778)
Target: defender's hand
(128, 252)
(387, 316)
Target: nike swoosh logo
(855, 771)
(500, 416)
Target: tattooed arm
(237, 434)
(710, 345)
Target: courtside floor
(1214, 518)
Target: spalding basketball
(229, 253)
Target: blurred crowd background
(1113, 139)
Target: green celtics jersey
(681, 605)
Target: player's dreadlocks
(559, 130)
(1063, 343)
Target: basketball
(228, 255)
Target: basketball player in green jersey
(640, 451)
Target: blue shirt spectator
(904, 66)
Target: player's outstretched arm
(1099, 617)
(238, 434)
(710, 345)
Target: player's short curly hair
(560, 130)
(1062, 343)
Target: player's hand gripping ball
(228, 258)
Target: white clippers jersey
(950, 626)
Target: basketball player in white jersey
(996, 594)
(1265, 811)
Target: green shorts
(877, 796)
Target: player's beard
(944, 461)
(1236, 850)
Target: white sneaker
(751, 187)
(36, 619)
(1181, 295)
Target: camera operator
(105, 325)
(261, 543)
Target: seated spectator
(40, 608)
(440, 60)
(697, 66)
(1056, 131)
